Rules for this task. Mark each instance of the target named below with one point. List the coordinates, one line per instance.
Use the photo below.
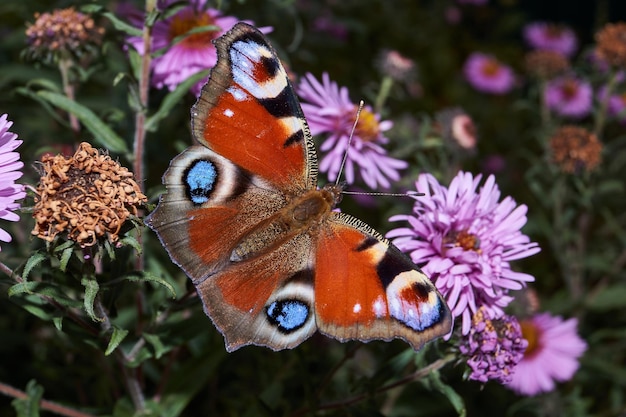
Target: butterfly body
(243, 217)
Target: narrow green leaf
(611, 298)
(44, 103)
(29, 406)
(103, 134)
(122, 26)
(132, 242)
(43, 289)
(65, 258)
(26, 287)
(116, 338)
(149, 277)
(58, 322)
(455, 399)
(157, 345)
(173, 99)
(91, 291)
(32, 262)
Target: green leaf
(32, 262)
(455, 399)
(610, 298)
(43, 289)
(29, 406)
(122, 26)
(116, 338)
(173, 99)
(103, 134)
(65, 257)
(149, 277)
(132, 242)
(91, 291)
(157, 345)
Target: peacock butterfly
(244, 218)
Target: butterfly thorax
(302, 214)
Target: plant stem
(65, 65)
(55, 408)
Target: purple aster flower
(465, 238)
(552, 37)
(493, 347)
(569, 96)
(617, 101)
(487, 74)
(10, 166)
(552, 354)
(329, 110)
(194, 52)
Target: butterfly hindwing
(366, 289)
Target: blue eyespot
(288, 315)
(200, 178)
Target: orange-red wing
(367, 289)
(249, 113)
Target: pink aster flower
(552, 354)
(465, 238)
(617, 101)
(551, 37)
(194, 52)
(10, 166)
(329, 110)
(487, 74)
(569, 96)
(493, 347)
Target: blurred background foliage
(172, 349)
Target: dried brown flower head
(61, 33)
(611, 44)
(86, 197)
(546, 64)
(575, 149)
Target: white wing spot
(356, 308)
(229, 113)
(379, 307)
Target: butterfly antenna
(345, 154)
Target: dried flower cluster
(62, 32)
(86, 196)
(546, 64)
(575, 148)
(611, 44)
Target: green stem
(604, 104)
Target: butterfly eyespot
(288, 315)
(200, 179)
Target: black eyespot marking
(270, 64)
(288, 315)
(200, 179)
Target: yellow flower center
(188, 20)
(531, 333)
(491, 68)
(367, 128)
(569, 89)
